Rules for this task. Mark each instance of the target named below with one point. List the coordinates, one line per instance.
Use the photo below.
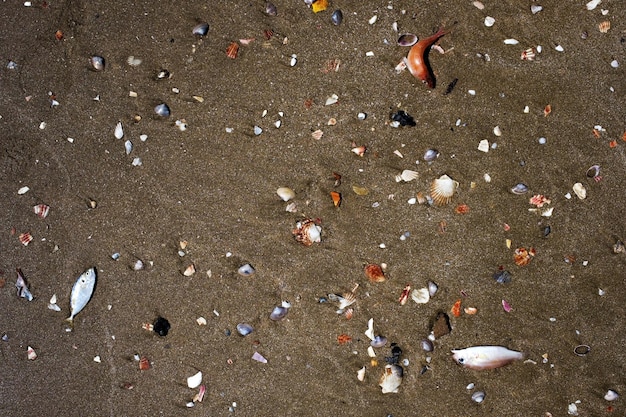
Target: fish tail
(70, 320)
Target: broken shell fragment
(201, 29)
(190, 270)
(407, 175)
(285, 193)
(421, 296)
(407, 39)
(611, 395)
(162, 110)
(41, 210)
(96, 63)
(246, 270)
(337, 17)
(258, 357)
(580, 191)
(370, 329)
(360, 375)
(244, 329)
(432, 288)
(519, 189)
(307, 232)
(194, 381)
(431, 154)
(391, 378)
(119, 131)
(374, 273)
(378, 342)
(31, 354)
(280, 311)
(478, 397)
(442, 189)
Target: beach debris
(360, 374)
(522, 257)
(128, 147)
(502, 276)
(22, 286)
(604, 26)
(96, 63)
(162, 110)
(594, 172)
(201, 321)
(456, 308)
(258, 357)
(343, 338)
(81, 293)
(489, 21)
(189, 270)
(23, 190)
(279, 312)
(478, 397)
(201, 29)
(337, 17)
(144, 363)
(232, 50)
(404, 297)
(370, 329)
(358, 190)
(511, 41)
(334, 98)
(25, 238)
(441, 325)
(378, 341)
(307, 232)
(359, 150)
(420, 296)
(539, 200)
(52, 305)
(483, 145)
(41, 210)
(402, 118)
(582, 350)
(200, 395)
(31, 354)
(160, 326)
(462, 209)
(619, 247)
(391, 378)
(432, 288)
(336, 197)
(285, 193)
(442, 189)
(244, 329)
(506, 306)
(528, 54)
(470, 310)
(485, 357)
(119, 131)
(195, 380)
(427, 345)
(344, 300)
(611, 395)
(374, 273)
(593, 4)
(580, 191)
(417, 59)
(246, 270)
(431, 154)
(407, 39)
(317, 135)
(519, 189)
(319, 6)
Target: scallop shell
(407, 175)
(580, 190)
(442, 189)
(307, 232)
(374, 273)
(391, 378)
(346, 299)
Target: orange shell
(456, 308)
(462, 209)
(319, 6)
(613, 143)
(343, 338)
(336, 198)
(547, 110)
(232, 50)
(144, 363)
(374, 273)
(522, 256)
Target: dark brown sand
(216, 190)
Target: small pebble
(542, 141)
(614, 63)
(489, 21)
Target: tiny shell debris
(258, 357)
(194, 381)
(535, 8)
(511, 41)
(593, 4)
(604, 26)
(317, 135)
(478, 397)
(611, 395)
(246, 270)
(307, 232)
(31, 354)
(522, 257)
(41, 210)
(483, 146)
(580, 191)
(25, 238)
(407, 175)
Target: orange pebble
(456, 308)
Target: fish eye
(461, 360)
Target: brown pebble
(441, 325)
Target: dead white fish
(81, 292)
(22, 287)
(391, 378)
(485, 357)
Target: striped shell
(442, 189)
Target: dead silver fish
(81, 292)
(485, 357)
(22, 287)
(391, 378)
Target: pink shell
(506, 306)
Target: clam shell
(391, 378)
(407, 39)
(374, 273)
(379, 341)
(427, 345)
(442, 189)
(96, 63)
(194, 381)
(278, 313)
(421, 296)
(162, 110)
(285, 193)
(611, 395)
(431, 154)
(246, 270)
(519, 189)
(432, 288)
(244, 329)
(478, 397)
(580, 190)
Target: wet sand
(216, 190)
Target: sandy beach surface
(198, 188)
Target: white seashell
(432, 288)
(97, 359)
(53, 299)
(572, 409)
(119, 131)
(128, 145)
(190, 270)
(407, 175)
(478, 5)
(137, 162)
(487, 178)
(611, 395)
(547, 212)
(370, 329)
(133, 62)
(559, 48)
(489, 21)
(257, 130)
(360, 375)
(511, 41)
(372, 20)
(258, 357)
(54, 307)
(331, 100)
(194, 381)
(442, 189)
(23, 190)
(370, 352)
(580, 190)
(201, 321)
(535, 8)
(497, 131)
(483, 146)
(246, 270)
(478, 397)
(593, 4)
(285, 193)
(391, 378)
(31, 354)
(421, 296)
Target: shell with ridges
(442, 189)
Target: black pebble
(161, 326)
(546, 231)
(403, 118)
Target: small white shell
(128, 145)
(194, 381)
(611, 395)
(360, 375)
(511, 41)
(119, 131)
(370, 352)
(432, 288)
(285, 193)
(497, 131)
(580, 190)
(489, 21)
(483, 146)
(370, 329)
(421, 296)
(593, 4)
(478, 397)
(535, 8)
(246, 270)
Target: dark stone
(161, 326)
